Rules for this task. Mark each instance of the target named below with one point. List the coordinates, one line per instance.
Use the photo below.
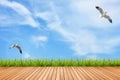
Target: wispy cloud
(78, 23)
(84, 30)
(26, 56)
(21, 11)
(39, 40)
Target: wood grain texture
(59, 73)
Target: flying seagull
(16, 46)
(104, 14)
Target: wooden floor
(59, 73)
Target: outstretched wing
(109, 18)
(100, 9)
(20, 50)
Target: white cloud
(39, 40)
(20, 10)
(44, 15)
(26, 56)
(83, 40)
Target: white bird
(104, 14)
(16, 46)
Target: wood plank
(61, 73)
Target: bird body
(104, 14)
(17, 46)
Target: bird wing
(109, 18)
(20, 50)
(12, 46)
(100, 9)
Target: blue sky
(59, 29)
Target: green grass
(60, 62)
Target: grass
(59, 62)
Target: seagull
(16, 46)
(104, 14)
